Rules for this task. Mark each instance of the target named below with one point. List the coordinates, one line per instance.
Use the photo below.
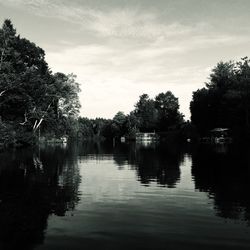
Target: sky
(120, 49)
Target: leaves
(30, 95)
(225, 102)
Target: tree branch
(25, 119)
(2, 92)
(36, 125)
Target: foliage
(33, 99)
(159, 114)
(167, 107)
(225, 101)
(146, 113)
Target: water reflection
(225, 176)
(132, 195)
(152, 162)
(156, 163)
(33, 185)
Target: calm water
(96, 196)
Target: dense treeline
(225, 101)
(33, 100)
(150, 115)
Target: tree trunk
(1, 60)
(37, 124)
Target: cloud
(123, 22)
(123, 52)
(130, 22)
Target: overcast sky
(120, 49)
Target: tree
(85, 128)
(167, 106)
(118, 125)
(119, 118)
(132, 125)
(7, 39)
(225, 101)
(30, 95)
(146, 113)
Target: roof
(219, 130)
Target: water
(96, 196)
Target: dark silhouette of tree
(146, 113)
(167, 107)
(118, 125)
(224, 102)
(159, 114)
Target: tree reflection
(153, 162)
(33, 185)
(160, 164)
(225, 176)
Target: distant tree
(119, 118)
(7, 40)
(119, 124)
(132, 125)
(85, 128)
(99, 125)
(146, 113)
(167, 107)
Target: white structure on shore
(150, 137)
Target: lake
(127, 196)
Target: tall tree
(146, 113)
(167, 106)
(29, 93)
(7, 40)
(224, 102)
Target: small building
(220, 135)
(123, 139)
(150, 137)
